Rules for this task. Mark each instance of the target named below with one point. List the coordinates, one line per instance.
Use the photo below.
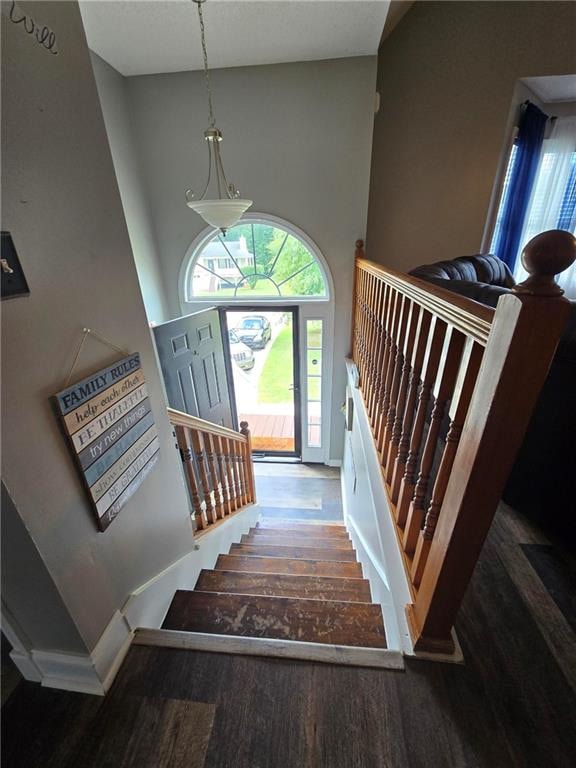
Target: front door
(192, 359)
(264, 366)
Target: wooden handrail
(178, 418)
(217, 464)
(469, 316)
(449, 386)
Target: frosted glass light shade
(220, 213)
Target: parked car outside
(240, 353)
(254, 331)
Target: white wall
(61, 203)
(112, 91)
(297, 140)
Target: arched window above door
(260, 258)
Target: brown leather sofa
(542, 484)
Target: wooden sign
(110, 426)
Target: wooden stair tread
(309, 553)
(284, 618)
(324, 530)
(297, 541)
(284, 585)
(305, 567)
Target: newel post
(358, 254)
(244, 429)
(527, 326)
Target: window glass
(256, 260)
(314, 382)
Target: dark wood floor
(512, 704)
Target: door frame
(294, 309)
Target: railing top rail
(469, 316)
(180, 419)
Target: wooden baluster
(239, 464)
(419, 352)
(214, 479)
(362, 328)
(367, 383)
(392, 314)
(198, 446)
(459, 405)
(398, 365)
(242, 469)
(245, 430)
(372, 330)
(358, 254)
(443, 389)
(360, 318)
(396, 429)
(379, 388)
(390, 364)
(388, 309)
(380, 339)
(182, 437)
(433, 352)
(520, 348)
(366, 331)
(232, 493)
(221, 461)
(237, 481)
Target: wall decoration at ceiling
(109, 424)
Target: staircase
(293, 587)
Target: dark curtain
(529, 143)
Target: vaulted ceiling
(151, 36)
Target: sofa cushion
(482, 292)
(481, 268)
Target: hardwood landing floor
(512, 705)
(304, 492)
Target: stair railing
(218, 467)
(449, 386)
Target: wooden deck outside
(270, 432)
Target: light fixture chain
(206, 72)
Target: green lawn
(276, 375)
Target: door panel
(191, 356)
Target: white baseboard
(83, 673)
(334, 463)
(147, 606)
(94, 672)
(26, 667)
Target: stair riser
(296, 541)
(310, 567)
(308, 530)
(306, 553)
(319, 530)
(310, 587)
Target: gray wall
(29, 590)
(297, 140)
(446, 76)
(61, 202)
(111, 88)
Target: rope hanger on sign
(85, 333)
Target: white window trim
(208, 233)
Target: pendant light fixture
(226, 209)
